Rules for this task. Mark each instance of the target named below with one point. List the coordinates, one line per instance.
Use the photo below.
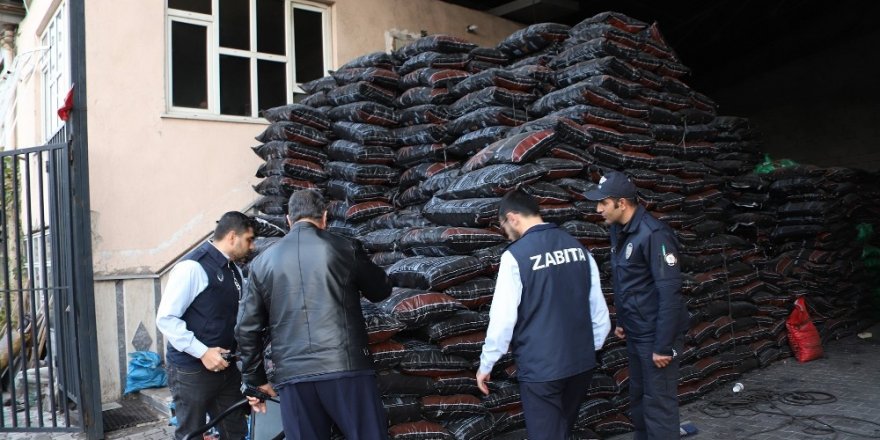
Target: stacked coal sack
(815, 251)
(293, 148)
(423, 143)
(360, 171)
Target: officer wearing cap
(651, 315)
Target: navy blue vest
(211, 316)
(553, 337)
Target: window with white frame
(237, 57)
(55, 68)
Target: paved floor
(850, 372)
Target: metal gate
(45, 359)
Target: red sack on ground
(802, 334)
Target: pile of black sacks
(414, 150)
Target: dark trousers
(653, 393)
(309, 409)
(552, 407)
(198, 392)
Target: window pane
(235, 24)
(235, 85)
(272, 84)
(201, 6)
(189, 65)
(270, 26)
(308, 37)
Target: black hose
(763, 401)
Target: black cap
(613, 184)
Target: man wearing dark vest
(307, 288)
(548, 308)
(651, 315)
(197, 316)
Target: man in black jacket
(651, 315)
(305, 291)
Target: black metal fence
(40, 363)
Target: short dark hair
(520, 202)
(233, 221)
(306, 203)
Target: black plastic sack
(504, 396)
(317, 100)
(292, 131)
(420, 430)
(360, 91)
(490, 97)
(462, 322)
(386, 259)
(533, 38)
(357, 212)
(546, 193)
(502, 78)
(382, 240)
(289, 150)
(271, 205)
(401, 409)
(424, 114)
(424, 171)
(384, 78)
(431, 77)
(322, 84)
(293, 168)
(492, 181)
(298, 113)
(353, 192)
(282, 186)
(589, 31)
(417, 154)
(418, 96)
(471, 428)
(364, 174)
(489, 55)
(451, 407)
(348, 151)
(559, 168)
(602, 385)
(423, 359)
(365, 134)
(421, 134)
(380, 325)
(477, 140)
(395, 383)
(434, 273)
(515, 149)
(591, 411)
(586, 233)
(400, 219)
(350, 230)
(415, 307)
(473, 293)
(441, 241)
(387, 354)
(583, 92)
(376, 59)
(270, 226)
(365, 112)
(457, 61)
(435, 43)
(457, 383)
(465, 212)
(486, 117)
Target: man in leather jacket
(305, 292)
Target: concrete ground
(850, 372)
